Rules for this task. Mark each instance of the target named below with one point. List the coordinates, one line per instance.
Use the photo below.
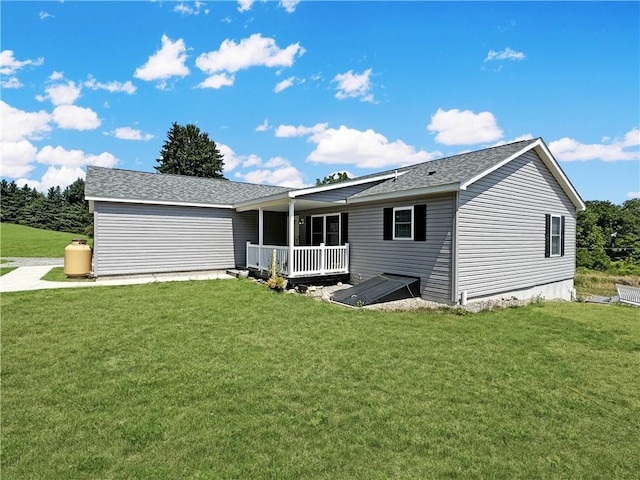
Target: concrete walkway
(29, 278)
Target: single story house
(494, 223)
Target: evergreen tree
(187, 151)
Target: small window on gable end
(554, 236)
(403, 223)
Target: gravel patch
(32, 262)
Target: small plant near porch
(276, 282)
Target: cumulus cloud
(11, 82)
(289, 5)
(75, 118)
(59, 156)
(61, 93)
(167, 62)
(506, 54)
(18, 125)
(231, 160)
(286, 131)
(53, 177)
(364, 149)
(610, 150)
(455, 127)
(264, 126)
(254, 51)
(194, 8)
(9, 65)
(245, 5)
(284, 84)
(633, 194)
(17, 158)
(277, 171)
(526, 136)
(354, 85)
(42, 15)
(112, 87)
(128, 133)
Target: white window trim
(324, 227)
(559, 235)
(393, 226)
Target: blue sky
(294, 91)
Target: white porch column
(291, 240)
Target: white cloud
(17, 158)
(56, 76)
(231, 160)
(365, 149)
(53, 177)
(128, 133)
(75, 118)
(353, 85)
(11, 82)
(286, 131)
(633, 194)
(610, 150)
(18, 125)
(218, 81)
(112, 87)
(264, 126)
(167, 62)
(194, 8)
(245, 5)
(253, 51)
(506, 54)
(62, 93)
(252, 161)
(73, 158)
(44, 15)
(526, 136)
(289, 5)
(279, 171)
(455, 127)
(284, 84)
(9, 65)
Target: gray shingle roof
(456, 169)
(160, 187)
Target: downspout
(454, 250)
(291, 232)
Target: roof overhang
(92, 199)
(551, 163)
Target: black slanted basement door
(385, 287)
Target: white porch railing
(314, 260)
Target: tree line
(60, 210)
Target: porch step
(382, 288)
(238, 273)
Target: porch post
(291, 240)
(260, 235)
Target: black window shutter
(562, 237)
(307, 230)
(344, 227)
(387, 227)
(420, 223)
(547, 235)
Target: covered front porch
(316, 243)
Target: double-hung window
(403, 223)
(554, 236)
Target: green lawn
(225, 379)
(57, 274)
(5, 270)
(21, 241)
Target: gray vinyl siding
(501, 230)
(136, 238)
(431, 260)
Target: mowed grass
(22, 241)
(225, 379)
